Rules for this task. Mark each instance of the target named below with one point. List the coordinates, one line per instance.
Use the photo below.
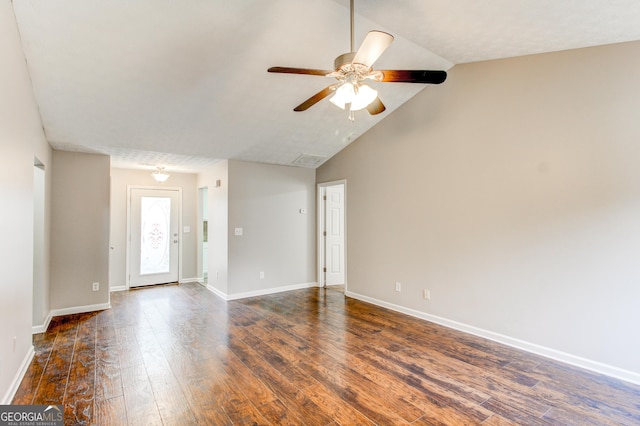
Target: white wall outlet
(303, 211)
(95, 286)
(261, 275)
(426, 294)
(398, 286)
(238, 232)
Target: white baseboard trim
(80, 309)
(217, 292)
(118, 288)
(261, 292)
(587, 364)
(11, 392)
(37, 329)
(189, 280)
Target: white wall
(512, 192)
(120, 179)
(79, 232)
(218, 217)
(265, 201)
(21, 138)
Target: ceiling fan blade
(374, 45)
(316, 98)
(309, 71)
(376, 107)
(413, 76)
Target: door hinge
(324, 197)
(324, 269)
(324, 233)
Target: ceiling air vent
(308, 160)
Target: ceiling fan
(353, 68)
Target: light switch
(238, 232)
(186, 229)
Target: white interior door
(334, 235)
(154, 224)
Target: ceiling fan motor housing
(347, 70)
(344, 59)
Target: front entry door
(154, 222)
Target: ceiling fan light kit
(352, 68)
(353, 97)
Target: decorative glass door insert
(155, 238)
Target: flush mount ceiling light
(160, 175)
(352, 68)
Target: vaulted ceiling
(184, 84)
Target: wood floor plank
(80, 392)
(588, 385)
(496, 420)
(52, 389)
(171, 402)
(587, 406)
(129, 351)
(239, 409)
(277, 361)
(251, 386)
(288, 393)
(436, 398)
(31, 380)
(110, 412)
(429, 360)
(108, 380)
(570, 417)
(201, 397)
(138, 396)
(179, 355)
(371, 400)
(508, 411)
(336, 407)
(277, 413)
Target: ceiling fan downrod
(351, 14)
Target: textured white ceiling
(184, 84)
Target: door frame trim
(321, 251)
(128, 252)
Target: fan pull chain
(352, 115)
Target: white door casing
(154, 236)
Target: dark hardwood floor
(179, 355)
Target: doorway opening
(40, 291)
(332, 235)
